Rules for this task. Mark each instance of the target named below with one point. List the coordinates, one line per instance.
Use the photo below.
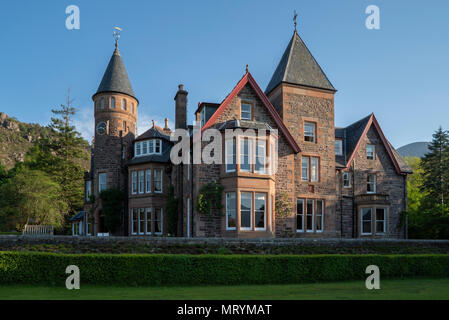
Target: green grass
(390, 289)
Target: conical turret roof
(298, 66)
(115, 78)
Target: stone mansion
(331, 181)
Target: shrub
(165, 270)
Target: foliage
(30, 197)
(171, 211)
(435, 166)
(209, 198)
(283, 205)
(112, 202)
(167, 270)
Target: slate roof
(153, 132)
(78, 216)
(160, 158)
(115, 78)
(245, 124)
(298, 66)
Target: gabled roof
(153, 132)
(79, 216)
(248, 78)
(115, 78)
(354, 135)
(298, 66)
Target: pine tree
(435, 165)
(61, 154)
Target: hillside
(416, 149)
(17, 137)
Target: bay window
(380, 220)
(134, 223)
(148, 147)
(245, 154)
(259, 211)
(158, 221)
(300, 215)
(134, 182)
(148, 220)
(366, 221)
(141, 221)
(260, 166)
(148, 181)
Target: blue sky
(400, 72)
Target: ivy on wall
(209, 198)
(112, 203)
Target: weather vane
(295, 15)
(116, 35)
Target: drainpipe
(354, 210)
(405, 207)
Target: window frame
(302, 214)
(263, 144)
(141, 182)
(362, 220)
(309, 168)
(384, 220)
(348, 174)
(154, 180)
(133, 220)
(314, 133)
(102, 174)
(148, 181)
(228, 228)
(124, 104)
(339, 142)
(148, 220)
(374, 183)
(134, 182)
(250, 112)
(112, 103)
(321, 215)
(250, 228)
(243, 155)
(155, 220)
(264, 211)
(368, 155)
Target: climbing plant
(112, 205)
(283, 205)
(209, 198)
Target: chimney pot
(181, 87)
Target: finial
(153, 123)
(295, 15)
(116, 35)
(247, 69)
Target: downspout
(354, 210)
(405, 207)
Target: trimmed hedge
(164, 270)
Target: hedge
(165, 270)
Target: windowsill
(231, 229)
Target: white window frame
(261, 143)
(264, 212)
(134, 182)
(133, 216)
(338, 147)
(305, 168)
(319, 215)
(148, 181)
(243, 155)
(162, 221)
(302, 215)
(229, 210)
(307, 133)
(370, 155)
(145, 147)
(141, 219)
(148, 219)
(100, 184)
(141, 181)
(384, 220)
(242, 112)
(250, 211)
(230, 155)
(157, 143)
(138, 148)
(368, 182)
(155, 181)
(370, 221)
(314, 169)
(307, 215)
(348, 175)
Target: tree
(31, 197)
(60, 155)
(435, 166)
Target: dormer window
(148, 147)
(338, 147)
(245, 111)
(123, 104)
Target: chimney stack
(181, 108)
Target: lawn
(390, 289)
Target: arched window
(112, 103)
(124, 126)
(102, 103)
(132, 107)
(123, 104)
